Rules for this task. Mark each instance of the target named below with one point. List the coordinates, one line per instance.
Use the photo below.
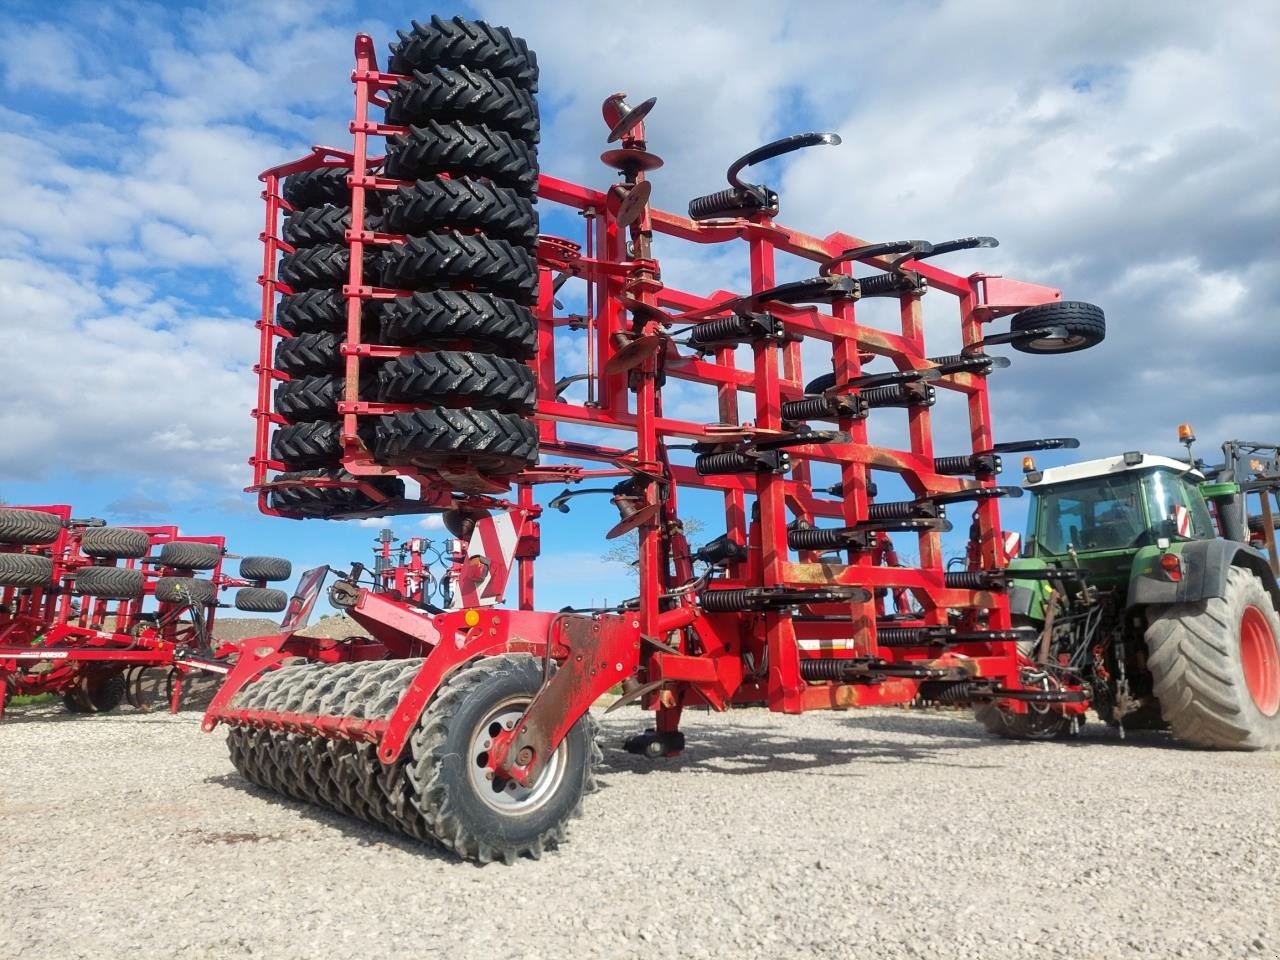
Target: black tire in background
(312, 188)
(429, 205)
(186, 590)
(439, 317)
(472, 96)
(261, 600)
(316, 443)
(464, 378)
(109, 583)
(25, 570)
(327, 502)
(188, 555)
(265, 568)
(313, 311)
(309, 353)
(309, 398)
(1085, 324)
(28, 527)
(115, 542)
(463, 149)
(459, 42)
(493, 443)
(317, 225)
(440, 259)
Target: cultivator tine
(1026, 446)
(745, 200)
(896, 378)
(963, 243)
(942, 636)
(759, 599)
(999, 579)
(863, 535)
(978, 363)
(978, 464)
(732, 330)
(825, 407)
(976, 493)
(637, 694)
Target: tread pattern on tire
(428, 205)
(25, 570)
(1081, 319)
(472, 96)
(309, 353)
(439, 259)
(313, 311)
(328, 502)
(476, 380)
(265, 568)
(462, 42)
(313, 226)
(189, 555)
(494, 443)
(311, 188)
(431, 317)
(114, 542)
(1193, 653)
(109, 583)
(186, 590)
(315, 443)
(28, 527)
(261, 600)
(463, 149)
(309, 398)
(322, 266)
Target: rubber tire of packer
(432, 317)
(472, 96)
(187, 555)
(313, 226)
(1194, 655)
(313, 311)
(312, 188)
(321, 267)
(476, 380)
(464, 43)
(28, 527)
(493, 443)
(457, 815)
(25, 570)
(439, 259)
(265, 568)
(326, 502)
(186, 590)
(109, 583)
(309, 398)
(428, 205)
(309, 353)
(115, 542)
(316, 443)
(1032, 725)
(463, 149)
(96, 693)
(261, 600)
(1085, 324)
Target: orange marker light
(1185, 433)
(1028, 464)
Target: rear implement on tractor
(102, 615)
(1160, 596)
(414, 358)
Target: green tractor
(1166, 607)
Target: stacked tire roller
(74, 613)
(463, 261)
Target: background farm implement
(416, 356)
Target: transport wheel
(1084, 323)
(473, 96)
(475, 379)
(437, 259)
(1041, 722)
(463, 149)
(187, 555)
(265, 568)
(311, 188)
(494, 443)
(95, 693)
(261, 600)
(464, 43)
(332, 502)
(1216, 667)
(309, 353)
(467, 810)
(25, 570)
(314, 226)
(313, 311)
(28, 527)
(313, 444)
(325, 265)
(114, 542)
(109, 583)
(431, 317)
(309, 398)
(429, 205)
(186, 590)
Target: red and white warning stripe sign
(490, 558)
(1012, 544)
(1182, 520)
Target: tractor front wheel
(1216, 667)
(469, 810)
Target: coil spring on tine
(903, 637)
(968, 580)
(723, 203)
(722, 329)
(810, 408)
(725, 601)
(884, 283)
(953, 466)
(953, 691)
(896, 395)
(825, 669)
(730, 462)
(891, 511)
(816, 538)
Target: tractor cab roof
(1108, 466)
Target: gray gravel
(864, 834)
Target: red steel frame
(46, 644)
(683, 654)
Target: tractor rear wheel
(1216, 667)
(1038, 723)
(475, 815)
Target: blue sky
(1124, 153)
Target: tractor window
(1101, 513)
(1165, 492)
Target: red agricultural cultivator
(416, 357)
(104, 615)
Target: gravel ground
(866, 834)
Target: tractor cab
(1101, 512)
